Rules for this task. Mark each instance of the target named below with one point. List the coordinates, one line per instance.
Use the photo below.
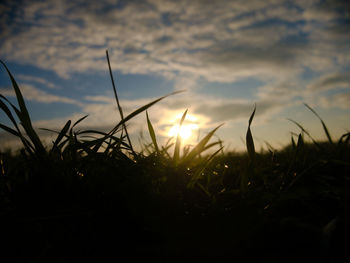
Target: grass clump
(92, 196)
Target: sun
(185, 131)
(188, 128)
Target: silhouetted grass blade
(139, 110)
(199, 172)
(62, 133)
(80, 120)
(323, 124)
(306, 132)
(118, 104)
(152, 134)
(8, 129)
(210, 145)
(28, 146)
(301, 127)
(199, 147)
(10, 116)
(23, 115)
(178, 139)
(244, 180)
(249, 138)
(300, 144)
(344, 139)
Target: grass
(91, 196)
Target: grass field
(91, 196)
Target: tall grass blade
(323, 124)
(27, 145)
(139, 110)
(61, 135)
(301, 128)
(270, 147)
(200, 147)
(249, 138)
(23, 115)
(306, 132)
(345, 136)
(299, 147)
(244, 180)
(116, 139)
(119, 107)
(210, 145)
(78, 121)
(297, 151)
(9, 130)
(293, 142)
(152, 134)
(199, 172)
(7, 111)
(178, 139)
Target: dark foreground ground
(116, 213)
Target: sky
(228, 56)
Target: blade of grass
(178, 139)
(305, 131)
(9, 130)
(27, 145)
(119, 107)
(297, 150)
(199, 172)
(116, 139)
(345, 136)
(293, 142)
(199, 147)
(244, 180)
(80, 120)
(23, 115)
(323, 124)
(249, 138)
(61, 135)
(152, 134)
(165, 150)
(301, 127)
(210, 145)
(7, 111)
(139, 110)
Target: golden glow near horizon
(187, 130)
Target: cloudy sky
(227, 55)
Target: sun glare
(185, 131)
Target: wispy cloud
(339, 100)
(221, 40)
(330, 82)
(33, 79)
(34, 94)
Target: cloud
(27, 78)
(237, 110)
(326, 10)
(221, 40)
(100, 99)
(339, 100)
(331, 82)
(34, 94)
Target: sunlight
(189, 129)
(185, 132)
